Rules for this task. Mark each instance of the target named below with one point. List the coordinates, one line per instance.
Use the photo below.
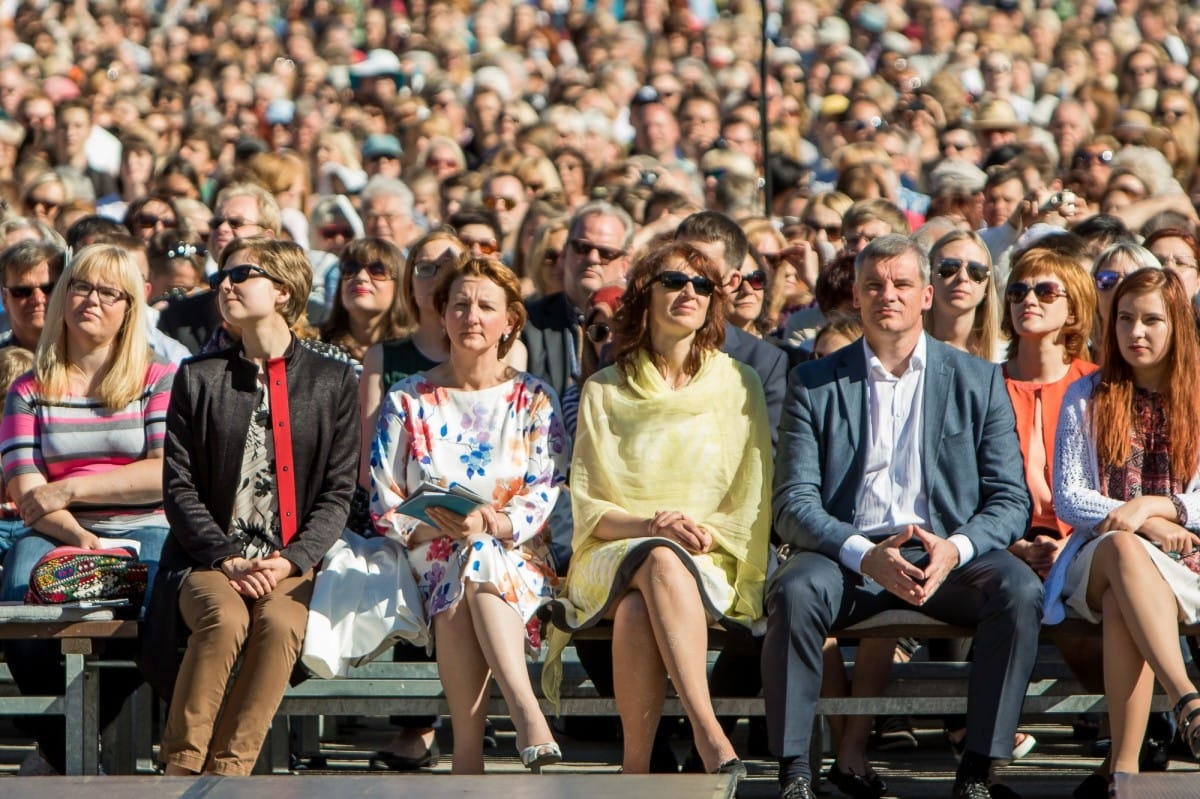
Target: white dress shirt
(892, 495)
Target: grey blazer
(970, 455)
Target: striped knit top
(72, 436)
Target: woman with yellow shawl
(670, 491)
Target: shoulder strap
(281, 436)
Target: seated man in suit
(899, 484)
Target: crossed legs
(481, 635)
(1141, 640)
(660, 628)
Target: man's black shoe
(971, 788)
(797, 789)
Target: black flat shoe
(733, 767)
(857, 786)
(395, 762)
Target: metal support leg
(73, 696)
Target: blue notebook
(430, 495)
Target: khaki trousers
(214, 728)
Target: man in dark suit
(720, 238)
(899, 484)
(597, 254)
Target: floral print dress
(505, 442)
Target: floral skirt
(443, 565)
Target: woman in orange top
(1051, 304)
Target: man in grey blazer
(898, 483)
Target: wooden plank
(11, 630)
(1159, 786)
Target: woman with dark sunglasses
(665, 559)
(368, 307)
(965, 312)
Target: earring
(505, 337)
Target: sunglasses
(376, 269)
(582, 247)
(949, 267)
(235, 222)
(505, 203)
(334, 231)
(756, 280)
(49, 205)
(599, 332)
(238, 274)
(486, 246)
(675, 281)
(25, 292)
(1107, 280)
(1045, 291)
(831, 231)
(551, 256)
(150, 220)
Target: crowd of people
(894, 307)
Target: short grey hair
(604, 208)
(381, 186)
(1135, 253)
(893, 245)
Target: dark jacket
(551, 335)
(207, 422)
(768, 361)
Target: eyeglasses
(949, 267)
(235, 222)
(599, 332)
(1045, 291)
(184, 249)
(426, 268)
(496, 201)
(1177, 260)
(1087, 158)
(859, 125)
(25, 292)
(1106, 280)
(108, 295)
(607, 254)
(551, 256)
(675, 281)
(486, 246)
(150, 220)
(238, 274)
(757, 279)
(377, 270)
(335, 230)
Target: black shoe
(395, 762)
(797, 789)
(734, 767)
(1094, 787)
(893, 734)
(971, 788)
(857, 786)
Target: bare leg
(834, 683)
(681, 630)
(639, 681)
(1128, 685)
(501, 636)
(872, 665)
(464, 675)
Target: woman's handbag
(71, 574)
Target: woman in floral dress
(476, 422)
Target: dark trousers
(811, 595)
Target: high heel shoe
(733, 767)
(1189, 725)
(538, 755)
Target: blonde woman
(965, 312)
(82, 441)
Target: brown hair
(414, 254)
(1112, 404)
(286, 262)
(631, 324)
(494, 270)
(336, 328)
(1081, 298)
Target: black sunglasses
(1046, 291)
(756, 280)
(25, 292)
(1106, 280)
(606, 254)
(675, 281)
(150, 220)
(235, 222)
(949, 267)
(238, 274)
(376, 269)
(599, 332)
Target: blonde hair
(125, 372)
(14, 362)
(985, 330)
(286, 262)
